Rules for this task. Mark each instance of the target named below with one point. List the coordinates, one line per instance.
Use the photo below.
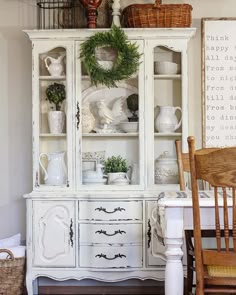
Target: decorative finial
(116, 13)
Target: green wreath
(125, 64)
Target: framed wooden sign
(219, 82)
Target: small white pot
(56, 121)
(118, 178)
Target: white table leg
(174, 276)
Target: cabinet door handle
(112, 258)
(71, 233)
(110, 235)
(78, 116)
(36, 180)
(110, 212)
(149, 233)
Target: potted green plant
(56, 94)
(116, 169)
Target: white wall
(15, 98)
(15, 114)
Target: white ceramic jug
(56, 171)
(54, 65)
(166, 120)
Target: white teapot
(54, 65)
(94, 177)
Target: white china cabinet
(78, 225)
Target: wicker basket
(157, 15)
(12, 274)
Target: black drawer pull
(110, 235)
(149, 233)
(107, 258)
(71, 233)
(78, 116)
(109, 212)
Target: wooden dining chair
(184, 167)
(215, 268)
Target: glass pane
(52, 118)
(167, 113)
(110, 130)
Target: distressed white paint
(52, 243)
(64, 215)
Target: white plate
(110, 95)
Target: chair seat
(221, 271)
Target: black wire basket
(56, 14)
(68, 14)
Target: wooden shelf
(167, 134)
(51, 78)
(167, 77)
(52, 135)
(135, 134)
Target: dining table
(173, 216)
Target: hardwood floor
(158, 289)
(113, 290)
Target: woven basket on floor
(157, 15)
(12, 274)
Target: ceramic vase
(91, 8)
(56, 121)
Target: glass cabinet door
(168, 113)
(110, 131)
(52, 95)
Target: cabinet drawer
(130, 210)
(110, 257)
(110, 233)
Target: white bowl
(129, 127)
(166, 68)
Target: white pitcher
(56, 172)
(54, 65)
(166, 120)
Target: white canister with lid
(166, 169)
